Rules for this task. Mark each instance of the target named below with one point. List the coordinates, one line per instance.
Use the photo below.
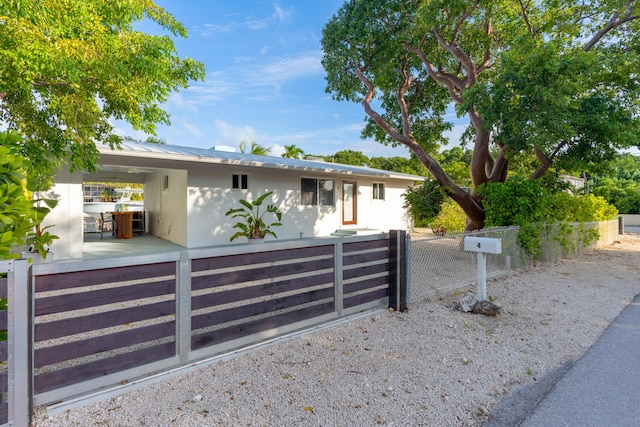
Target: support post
(482, 276)
(398, 289)
(183, 307)
(19, 340)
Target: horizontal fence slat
(4, 282)
(365, 298)
(229, 261)
(363, 284)
(303, 252)
(59, 281)
(261, 325)
(365, 245)
(365, 270)
(229, 296)
(4, 413)
(68, 351)
(365, 257)
(75, 374)
(4, 351)
(92, 322)
(246, 274)
(303, 282)
(61, 303)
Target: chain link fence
(440, 265)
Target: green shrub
(517, 201)
(16, 212)
(424, 202)
(451, 217)
(527, 204)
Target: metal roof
(202, 155)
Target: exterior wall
(384, 215)
(66, 218)
(190, 211)
(209, 196)
(631, 219)
(166, 205)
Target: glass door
(349, 204)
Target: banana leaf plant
(40, 240)
(252, 224)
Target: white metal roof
(165, 152)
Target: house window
(316, 192)
(378, 191)
(239, 182)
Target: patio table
(124, 220)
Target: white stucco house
(188, 190)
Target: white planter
(256, 241)
(36, 258)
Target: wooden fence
(102, 323)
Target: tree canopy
(554, 82)
(70, 66)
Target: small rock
(485, 307)
(467, 302)
(197, 398)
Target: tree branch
(523, 8)
(404, 109)
(453, 83)
(614, 22)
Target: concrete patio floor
(110, 246)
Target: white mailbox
(485, 245)
(482, 246)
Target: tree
(155, 140)
(255, 148)
(292, 152)
(68, 67)
(621, 187)
(554, 81)
(398, 164)
(350, 157)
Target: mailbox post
(482, 246)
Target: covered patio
(110, 246)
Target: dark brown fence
(89, 324)
(101, 323)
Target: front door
(349, 204)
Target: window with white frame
(239, 182)
(315, 191)
(378, 191)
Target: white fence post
(19, 339)
(183, 307)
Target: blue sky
(264, 80)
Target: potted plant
(39, 240)
(252, 225)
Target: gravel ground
(431, 366)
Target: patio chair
(139, 223)
(108, 224)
